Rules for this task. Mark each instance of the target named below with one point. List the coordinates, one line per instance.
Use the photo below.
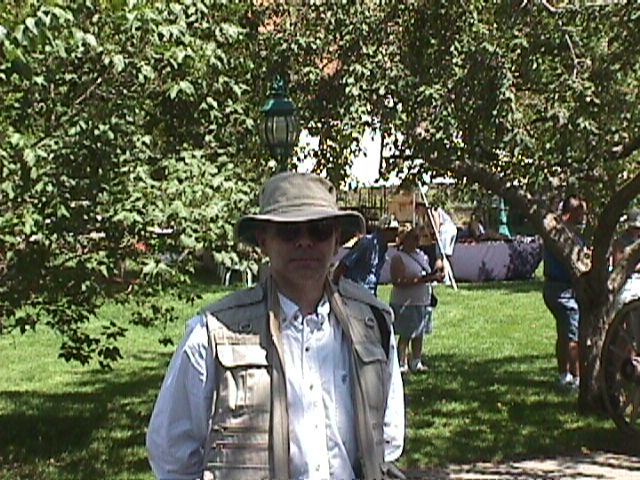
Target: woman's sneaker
(403, 368)
(417, 366)
(566, 381)
(575, 384)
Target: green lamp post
(279, 126)
(503, 213)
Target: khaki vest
(249, 430)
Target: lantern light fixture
(279, 125)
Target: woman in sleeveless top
(411, 297)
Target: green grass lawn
(489, 394)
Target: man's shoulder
(357, 251)
(364, 242)
(239, 299)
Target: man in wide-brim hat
(294, 378)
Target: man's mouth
(304, 260)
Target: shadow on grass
(464, 412)
(461, 411)
(96, 431)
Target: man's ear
(260, 239)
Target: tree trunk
(595, 314)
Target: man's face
(577, 216)
(300, 253)
(410, 241)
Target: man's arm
(179, 423)
(348, 260)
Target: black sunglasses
(317, 230)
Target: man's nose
(304, 238)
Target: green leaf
(19, 34)
(90, 40)
(150, 268)
(173, 91)
(118, 63)
(31, 25)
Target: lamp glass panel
(280, 130)
(292, 130)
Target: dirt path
(597, 466)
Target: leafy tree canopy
(126, 134)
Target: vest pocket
(370, 352)
(244, 377)
(240, 427)
(234, 356)
(373, 373)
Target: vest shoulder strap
(240, 298)
(381, 311)
(350, 289)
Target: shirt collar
(291, 311)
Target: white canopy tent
(366, 166)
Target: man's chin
(311, 276)
(307, 275)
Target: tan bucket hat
(298, 197)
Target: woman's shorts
(412, 321)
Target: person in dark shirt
(560, 298)
(363, 263)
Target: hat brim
(349, 222)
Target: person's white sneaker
(403, 368)
(417, 366)
(566, 380)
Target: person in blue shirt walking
(363, 263)
(560, 298)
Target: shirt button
(306, 349)
(317, 468)
(311, 387)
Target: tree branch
(573, 55)
(608, 220)
(560, 239)
(87, 92)
(549, 7)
